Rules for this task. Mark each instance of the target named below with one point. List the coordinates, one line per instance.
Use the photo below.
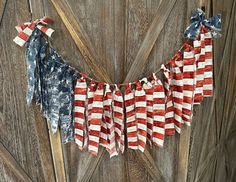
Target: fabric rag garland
(93, 113)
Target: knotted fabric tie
(26, 29)
(198, 20)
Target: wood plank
(147, 161)
(37, 10)
(91, 167)
(184, 138)
(67, 16)
(18, 122)
(182, 157)
(151, 36)
(58, 160)
(9, 160)
(138, 65)
(77, 34)
(3, 4)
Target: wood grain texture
(37, 10)
(20, 123)
(9, 160)
(151, 35)
(209, 155)
(77, 34)
(114, 32)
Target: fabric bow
(26, 29)
(198, 20)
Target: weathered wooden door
(116, 41)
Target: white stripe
(188, 68)
(169, 104)
(187, 106)
(79, 109)
(196, 43)
(158, 95)
(80, 97)
(177, 82)
(177, 94)
(98, 104)
(95, 127)
(188, 55)
(207, 87)
(158, 118)
(79, 132)
(208, 75)
(117, 109)
(132, 139)
(93, 138)
(169, 126)
(158, 107)
(149, 97)
(188, 81)
(96, 115)
(208, 48)
(28, 31)
(131, 129)
(79, 120)
(19, 41)
(142, 126)
(188, 93)
(49, 32)
(130, 119)
(143, 138)
(81, 84)
(141, 115)
(140, 104)
(129, 108)
(178, 106)
(158, 130)
(208, 35)
(178, 118)
(158, 141)
(129, 96)
(93, 148)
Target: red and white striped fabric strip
(80, 94)
(169, 114)
(199, 50)
(208, 74)
(118, 115)
(148, 88)
(132, 131)
(177, 94)
(110, 128)
(189, 74)
(141, 115)
(96, 119)
(26, 29)
(158, 130)
(177, 64)
(103, 140)
(89, 103)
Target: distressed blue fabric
(197, 20)
(31, 56)
(66, 98)
(57, 88)
(53, 84)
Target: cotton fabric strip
(158, 132)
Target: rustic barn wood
(129, 39)
(8, 160)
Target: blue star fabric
(198, 20)
(52, 82)
(31, 56)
